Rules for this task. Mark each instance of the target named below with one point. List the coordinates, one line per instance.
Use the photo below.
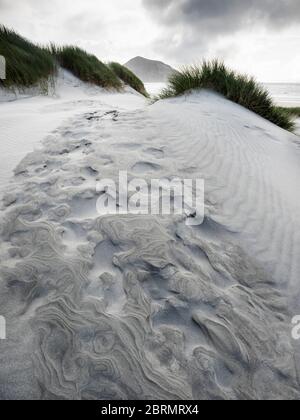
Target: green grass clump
(242, 89)
(129, 78)
(293, 112)
(26, 64)
(86, 67)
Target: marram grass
(242, 89)
(294, 112)
(86, 67)
(129, 78)
(27, 64)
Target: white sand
(142, 306)
(26, 121)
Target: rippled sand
(138, 307)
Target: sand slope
(28, 117)
(144, 306)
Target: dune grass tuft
(86, 67)
(27, 64)
(129, 78)
(293, 112)
(242, 89)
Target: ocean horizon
(285, 94)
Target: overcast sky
(261, 37)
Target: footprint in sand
(142, 167)
(156, 152)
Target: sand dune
(27, 118)
(145, 307)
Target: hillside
(150, 71)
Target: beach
(143, 306)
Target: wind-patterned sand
(145, 307)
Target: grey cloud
(193, 26)
(235, 13)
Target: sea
(285, 94)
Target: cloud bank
(219, 16)
(193, 29)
